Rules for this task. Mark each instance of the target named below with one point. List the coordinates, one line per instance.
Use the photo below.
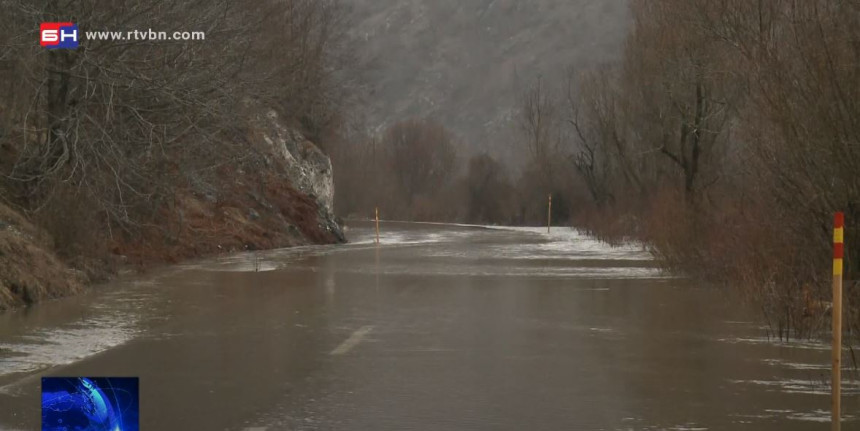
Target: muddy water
(442, 327)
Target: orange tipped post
(377, 225)
(836, 312)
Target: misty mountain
(464, 63)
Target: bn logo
(54, 35)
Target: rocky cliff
(307, 167)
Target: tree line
(417, 170)
(726, 138)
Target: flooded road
(442, 327)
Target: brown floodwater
(440, 327)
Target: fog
(465, 63)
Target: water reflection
(437, 328)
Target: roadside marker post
(549, 213)
(836, 311)
(377, 225)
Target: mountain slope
(465, 62)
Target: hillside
(464, 63)
(280, 196)
(139, 150)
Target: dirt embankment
(29, 269)
(246, 211)
(280, 196)
(276, 216)
(269, 214)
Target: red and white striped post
(836, 311)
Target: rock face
(307, 167)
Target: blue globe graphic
(80, 405)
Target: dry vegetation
(726, 138)
(29, 270)
(409, 172)
(417, 170)
(148, 148)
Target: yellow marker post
(377, 225)
(836, 311)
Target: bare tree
(121, 123)
(489, 191)
(539, 121)
(422, 155)
(747, 110)
(590, 155)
